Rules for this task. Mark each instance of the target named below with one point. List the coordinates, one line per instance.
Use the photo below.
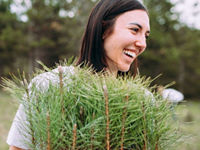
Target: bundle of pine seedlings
(75, 108)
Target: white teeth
(129, 53)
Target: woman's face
(127, 40)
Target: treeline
(54, 30)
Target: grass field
(188, 114)
(8, 109)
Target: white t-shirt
(18, 135)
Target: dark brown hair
(101, 20)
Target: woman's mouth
(129, 53)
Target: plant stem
(92, 132)
(107, 116)
(74, 137)
(61, 88)
(60, 70)
(29, 112)
(123, 122)
(48, 132)
(156, 148)
(82, 114)
(145, 133)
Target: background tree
(12, 41)
(54, 29)
(172, 49)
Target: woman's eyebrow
(136, 24)
(133, 23)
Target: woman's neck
(112, 71)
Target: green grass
(187, 115)
(189, 118)
(8, 109)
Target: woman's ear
(106, 34)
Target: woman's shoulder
(43, 80)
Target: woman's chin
(124, 68)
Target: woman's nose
(141, 42)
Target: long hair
(101, 20)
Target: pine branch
(29, 112)
(145, 133)
(105, 90)
(123, 122)
(60, 70)
(156, 148)
(74, 137)
(92, 132)
(82, 114)
(48, 131)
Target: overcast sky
(188, 14)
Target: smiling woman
(114, 37)
(131, 29)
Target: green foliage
(85, 110)
(12, 39)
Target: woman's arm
(18, 136)
(14, 148)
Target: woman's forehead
(133, 17)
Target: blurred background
(51, 30)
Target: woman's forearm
(14, 148)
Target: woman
(116, 34)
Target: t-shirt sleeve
(18, 135)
